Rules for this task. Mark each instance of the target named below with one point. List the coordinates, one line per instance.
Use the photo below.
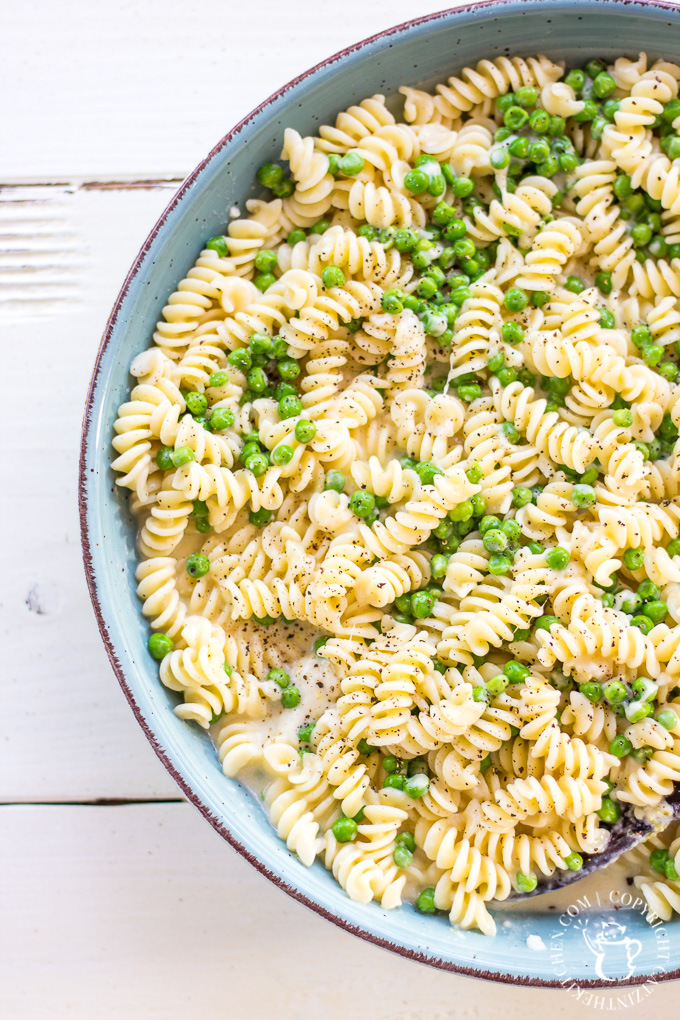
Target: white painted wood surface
(140, 910)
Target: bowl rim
(88, 562)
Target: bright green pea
(290, 697)
(648, 591)
(557, 558)
(658, 860)
(417, 786)
(260, 517)
(425, 902)
(438, 565)
(305, 431)
(219, 244)
(610, 812)
(623, 417)
(289, 407)
(592, 691)
(516, 300)
(257, 464)
(333, 276)
(279, 676)
(161, 645)
(620, 746)
(351, 164)
(511, 433)
(512, 332)
(603, 85)
(197, 565)
(499, 564)
(183, 455)
(656, 611)
(334, 481)
(469, 393)
(574, 861)
(496, 361)
(474, 473)
(164, 458)
(345, 829)
(516, 672)
(583, 496)
(546, 622)
(526, 883)
(495, 541)
(615, 692)
(282, 455)
(667, 718)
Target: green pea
(462, 187)
(263, 281)
(334, 481)
(305, 431)
(515, 117)
(362, 503)
(574, 861)
(196, 404)
(603, 85)
(257, 464)
(183, 455)
(425, 902)
(394, 783)
(652, 354)
(260, 517)
(402, 856)
(351, 164)
(576, 79)
(282, 455)
(279, 676)
(633, 558)
(495, 361)
(526, 883)
(161, 645)
(392, 302)
(469, 393)
(610, 812)
(332, 276)
(516, 672)
(406, 839)
(583, 496)
(495, 541)
(656, 611)
(202, 525)
(296, 236)
(265, 260)
(345, 829)
(321, 227)
(512, 332)
(438, 565)
(363, 747)
(219, 245)
(539, 298)
(668, 370)
(592, 691)
(289, 407)
(499, 158)
(428, 472)
(615, 692)
(417, 786)
(667, 718)
(270, 174)
(519, 147)
(290, 697)
(549, 168)
(648, 591)
(257, 380)
(499, 564)
(588, 113)
(567, 161)
(546, 622)
(319, 643)
(422, 604)
(511, 433)
(658, 860)
(575, 284)
(474, 473)
(164, 458)
(536, 548)
(673, 547)
(197, 565)
(557, 558)
(521, 497)
(620, 746)
(516, 300)
(539, 151)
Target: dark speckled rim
(189, 793)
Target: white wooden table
(117, 899)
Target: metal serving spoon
(626, 833)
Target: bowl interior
(422, 53)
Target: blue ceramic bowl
(423, 52)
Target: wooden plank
(145, 912)
(115, 89)
(68, 733)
